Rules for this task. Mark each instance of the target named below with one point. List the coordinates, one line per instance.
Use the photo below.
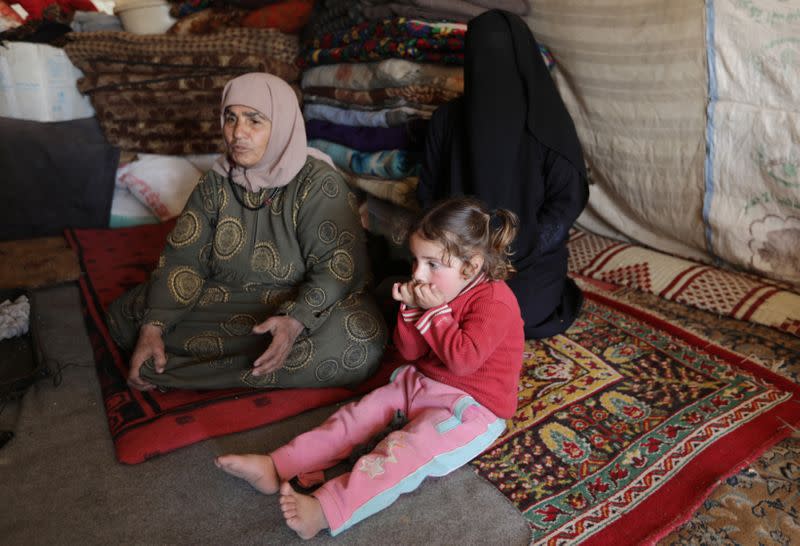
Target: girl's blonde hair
(464, 227)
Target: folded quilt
(388, 164)
(439, 35)
(335, 15)
(420, 94)
(389, 38)
(396, 9)
(414, 49)
(389, 117)
(391, 105)
(369, 139)
(399, 192)
(267, 42)
(468, 9)
(132, 67)
(209, 20)
(150, 107)
(287, 15)
(332, 16)
(386, 73)
(174, 79)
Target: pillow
(127, 210)
(162, 183)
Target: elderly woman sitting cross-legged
(262, 281)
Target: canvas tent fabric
(752, 187)
(688, 113)
(637, 99)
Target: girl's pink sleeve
(464, 347)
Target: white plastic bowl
(144, 16)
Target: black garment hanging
(511, 142)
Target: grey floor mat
(62, 484)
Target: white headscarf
(287, 147)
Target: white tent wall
(686, 110)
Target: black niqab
(511, 142)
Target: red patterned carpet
(626, 424)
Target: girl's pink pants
(446, 429)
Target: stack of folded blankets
(160, 93)
(369, 91)
(374, 71)
(157, 96)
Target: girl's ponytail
(503, 225)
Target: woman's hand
(149, 345)
(284, 330)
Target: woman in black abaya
(511, 142)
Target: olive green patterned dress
(227, 267)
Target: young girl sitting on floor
(459, 327)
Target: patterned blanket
(730, 293)
(386, 164)
(267, 42)
(399, 38)
(386, 96)
(386, 73)
(398, 192)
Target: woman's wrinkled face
(246, 132)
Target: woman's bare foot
(303, 513)
(257, 470)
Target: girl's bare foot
(303, 513)
(257, 470)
